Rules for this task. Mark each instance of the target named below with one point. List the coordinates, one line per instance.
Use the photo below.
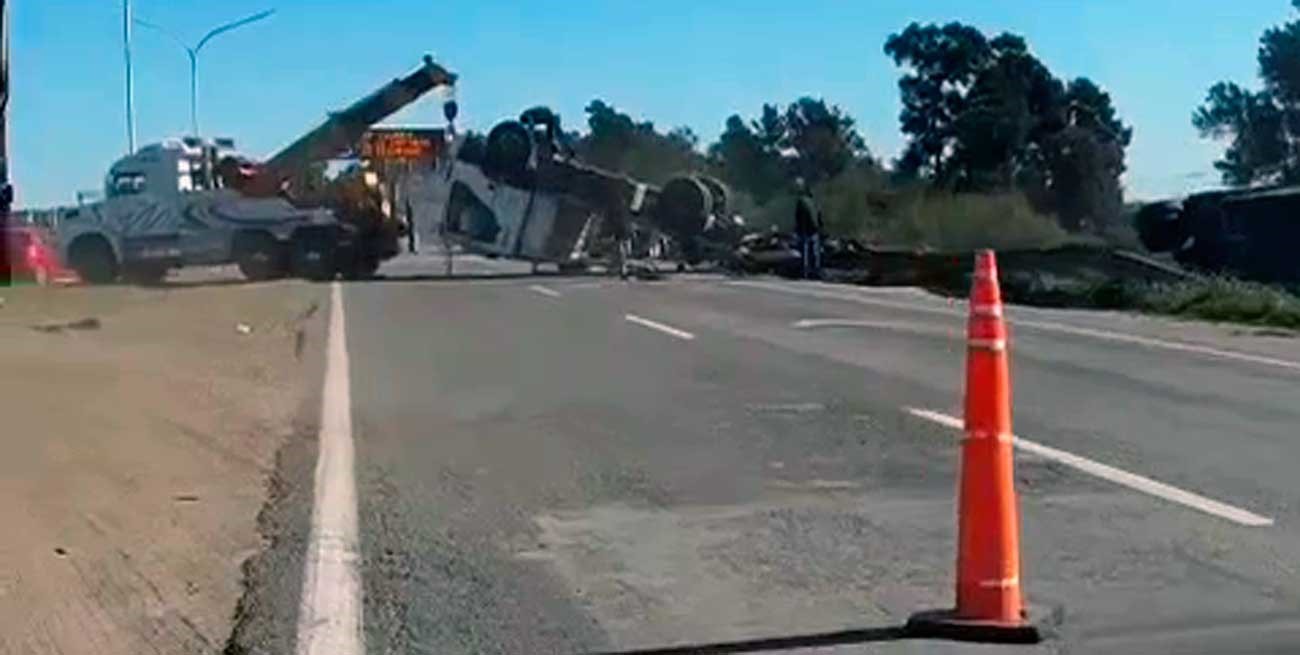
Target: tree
(942, 63)
(616, 142)
(748, 161)
(473, 148)
(822, 140)
(985, 115)
(1262, 127)
(810, 138)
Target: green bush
(861, 203)
(967, 221)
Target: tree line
(994, 141)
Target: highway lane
(567, 465)
(1188, 418)
(1214, 426)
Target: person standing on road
(807, 229)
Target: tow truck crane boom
(342, 129)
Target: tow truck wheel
(313, 256)
(259, 257)
(93, 260)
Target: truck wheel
(362, 269)
(313, 256)
(259, 257)
(93, 260)
(1161, 227)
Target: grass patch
(1223, 299)
(1216, 299)
(963, 222)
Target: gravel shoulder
(141, 430)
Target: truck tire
(93, 260)
(1161, 227)
(259, 257)
(313, 256)
(363, 268)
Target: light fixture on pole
(193, 52)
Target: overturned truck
(523, 194)
(1249, 233)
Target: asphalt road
(567, 465)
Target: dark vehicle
(1250, 233)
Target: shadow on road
(188, 284)
(841, 638)
(469, 277)
(642, 275)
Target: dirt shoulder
(140, 427)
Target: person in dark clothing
(807, 229)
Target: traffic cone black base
(945, 624)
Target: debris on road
(57, 328)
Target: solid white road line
(666, 329)
(1118, 476)
(813, 323)
(1046, 326)
(329, 617)
(545, 291)
(1160, 343)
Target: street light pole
(194, 91)
(194, 51)
(130, 82)
(6, 189)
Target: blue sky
(675, 62)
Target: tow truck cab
(166, 206)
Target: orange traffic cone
(990, 606)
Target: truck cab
(167, 206)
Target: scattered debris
(56, 328)
(1265, 332)
(814, 484)
(310, 311)
(243, 328)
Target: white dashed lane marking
(666, 329)
(1118, 476)
(828, 292)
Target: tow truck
(193, 202)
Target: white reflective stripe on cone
(1000, 583)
